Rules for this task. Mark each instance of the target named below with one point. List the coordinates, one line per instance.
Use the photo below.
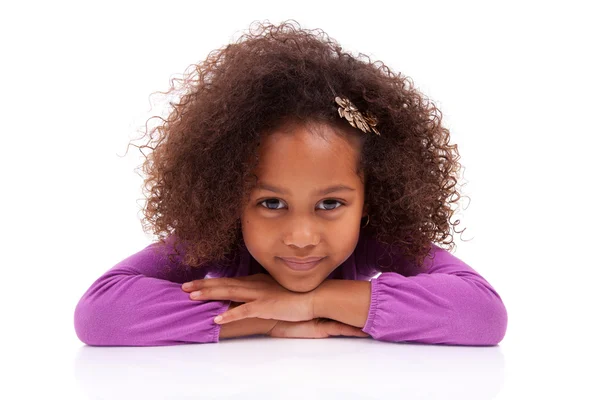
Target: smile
(301, 266)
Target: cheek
(348, 233)
(256, 238)
(252, 226)
(347, 240)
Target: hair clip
(349, 111)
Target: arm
(449, 304)
(139, 302)
(246, 326)
(345, 301)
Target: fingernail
(196, 294)
(187, 285)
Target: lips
(301, 260)
(303, 266)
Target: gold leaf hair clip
(348, 110)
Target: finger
(336, 328)
(198, 284)
(354, 331)
(235, 314)
(360, 333)
(239, 294)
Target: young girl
(288, 176)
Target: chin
(298, 290)
(299, 287)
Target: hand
(263, 296)
(316, 328)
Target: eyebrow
(331, 189)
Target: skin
(302, 223)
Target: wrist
(346, 301)
(317, 300)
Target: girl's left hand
(263, 297)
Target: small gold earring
(367, 221)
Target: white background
(517, 83)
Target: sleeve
(449, 304)
(139, 302)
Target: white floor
(525, 365)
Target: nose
(302, 232)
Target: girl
(287, 176)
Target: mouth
(301, 266)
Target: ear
(365, 210)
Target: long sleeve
(139, 302)
(449, 304)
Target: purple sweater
(139, 302)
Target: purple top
(139, 302)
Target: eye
(326, 209)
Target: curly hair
(199, 173)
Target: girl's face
(289, 213)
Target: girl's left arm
(449, 304)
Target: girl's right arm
(139, 302)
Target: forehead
(307, 156)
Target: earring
(367, 221)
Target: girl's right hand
(315, 328)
